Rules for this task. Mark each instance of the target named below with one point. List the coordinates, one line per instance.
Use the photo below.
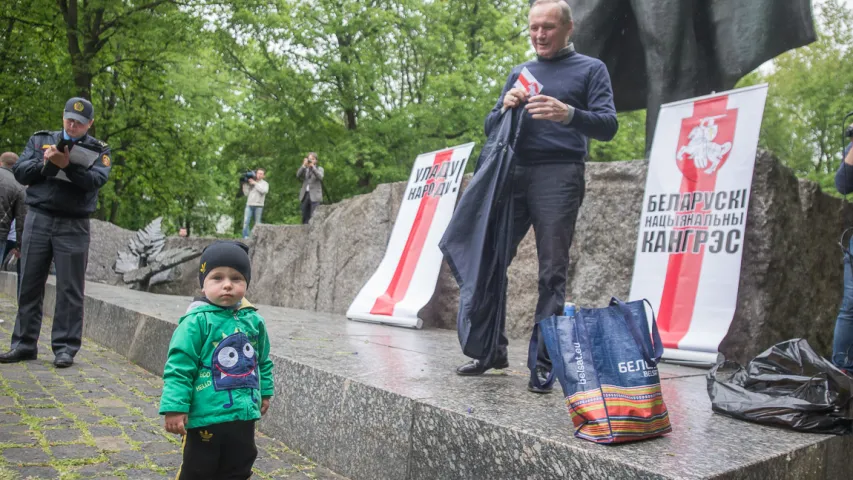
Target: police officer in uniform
(64, 170)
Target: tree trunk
(114, 210)
(346, 85)
(80, 57)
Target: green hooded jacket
(218, 367)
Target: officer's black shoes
(63, 360)
(475, 367)
(542, 375)
(14, 355)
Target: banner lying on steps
(691, 236)
(405, 280)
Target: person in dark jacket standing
(311, 194)
(12, 198)
(12, 210)
(63, 170)
(842, 340)
(575, 103)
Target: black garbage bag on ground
(477, 242)
(788, 385)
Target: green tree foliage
(367, 85)
(155, 86)
(811, 89)
(191, 93)
(629, 142)
(33, 72)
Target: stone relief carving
(146, 258)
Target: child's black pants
(223, 451)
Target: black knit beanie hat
(225, 254)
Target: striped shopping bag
(606, 363)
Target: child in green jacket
(218, 376)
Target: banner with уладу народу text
(692, 228)
(405, 279)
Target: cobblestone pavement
(99, 420)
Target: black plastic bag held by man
(477, 243)
(788, 385)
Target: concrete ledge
(375, 402)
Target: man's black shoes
(63, 360)
(475, 367)
(14, 356)
(541, 375)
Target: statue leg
(671, 52)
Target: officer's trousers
(66, 242)
(547, 197)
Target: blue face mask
(68, 137)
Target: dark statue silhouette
(660, 51)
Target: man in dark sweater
(842, 341)
(575, 102)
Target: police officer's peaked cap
(79, 109)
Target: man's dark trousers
(66, 241)
(547, 197)
(308, 208)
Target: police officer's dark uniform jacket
(68, 192)
(56, 229)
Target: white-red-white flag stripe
(405, 279)
(692, 228)
(527, 81)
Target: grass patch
(157, 468)
(40, 406)
(6, 474)
(139, 393)
(4, 445)
(35, 423)
(78, 462)
(136, 411)
(109, 422)
(66, 467)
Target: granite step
(377, 402)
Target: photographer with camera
(255, 188)
(842, 340)
(311, 193)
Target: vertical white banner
(692, 228)
(406, 277)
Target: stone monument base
(790, 280)
(375, 402)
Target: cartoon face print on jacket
(234, 365)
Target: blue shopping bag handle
(652, 358)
